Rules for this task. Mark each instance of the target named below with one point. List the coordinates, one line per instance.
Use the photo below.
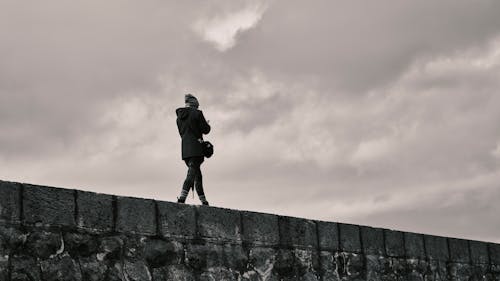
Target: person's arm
(204, 126)
(179, 125)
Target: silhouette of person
(192, 125)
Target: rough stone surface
(349, 238)
(4, 268)
(43, 244)
(92, 269)
(94, 211)
(459, 250)
(10, 209)
(261, 264)
(494, 253)
(414, 245)
(219, 223)
(177, 220)
(436, 247)
(328, 235)
(230, 245)
(60, 268)
(48, 205)
(373, 240)
(262, 229)
(25, 268)
(135, 215)
(159, 253)
(80, 244)
(297, 232)
(479, 252)
(394, 243)
(351, 266)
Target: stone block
(494, 253)
(136, 271)
(328, 234)
(43, 244)
(349, 238)
(436, 247)
(297, 232)
(479, 252)
(80, 244)
(203, 256)
(459, 250)
(261, 229)
(60, 268)
(394, 243)
(10, 202)
(48, 205)
(94, 211)
(160, 253)
(176, 220)
(414, 245)
(373, 240)
(135, 215)
(235, 257)
(328, 269)
(261, 263)
(4, 268)
(219, 223)
(25, 268)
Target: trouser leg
(198, 181)
(190, 178)
(194, 178)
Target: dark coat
(192, 125)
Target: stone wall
(51, 233)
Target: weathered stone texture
(349, 238)
(436, 247)
(10, 207)
(297, 232)
(373, 240)
(479, 252)
(177, 220)
(459, 250)
(135, 215)
(154, 241)
(48, 206)
(262, 229)
(394, 243)
(94, 211)
(328, 234)
(494, 253)
(219, 223)
(414, 245)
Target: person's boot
(203, 199)
(180, 200)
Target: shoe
(205, 203)
(179, 200)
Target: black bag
(208, 148)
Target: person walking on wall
(192, 126)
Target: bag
(208, 148)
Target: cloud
(222, 30)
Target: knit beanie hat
(191, 100)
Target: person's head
(191, 101)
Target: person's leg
(198, 182)
(189, 181)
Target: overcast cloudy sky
(384, 113)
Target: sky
(382, 113)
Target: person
(192, 125)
